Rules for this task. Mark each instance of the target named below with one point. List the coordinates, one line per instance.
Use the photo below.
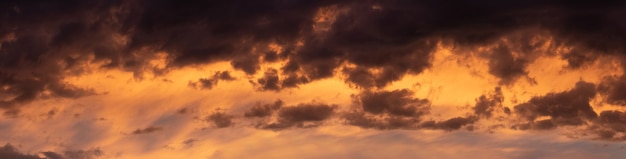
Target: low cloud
(147, 130)
(220, 119)
(387, 109)
(9, 151)
(449, 124)
(569, 107)
(301, 115)
(263, 110)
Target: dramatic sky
(230, 79)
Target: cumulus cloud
(387, 109)
(613, 88)
(487, 104)
(609, 125)
(301, 115)
(569, 107)
(41, 46)
(263, 110)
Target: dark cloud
(248, 64)
(220, 119)
(270, 80)
(301, 115)
(42, 42)
(569, 107)
(9, 151)
(613, 88)
(487, 104)
(147, 130)
(396, 102)
(76, 154)
(449, 124)
(366, 120)
(609, 124)
(263, 110)
(209, 83)
(306, 112)
(387, 109)
(505, 66)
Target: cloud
(76, 154)
(209, 83)
(270, 80)
(613, 88)
(147, 130)
(366, 120)
(301, 115)
(569, 107)
(609, 124)
(384, 41)
(487, 104)
(396, 102)
(220, 119)
(306, 112)
(449, 124)
(11, 152)
(264, 110)
(387, 109)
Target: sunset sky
(309, 79)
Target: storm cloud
(383, 40)
(564, 108)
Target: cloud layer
(169, 71)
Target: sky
(133, 79)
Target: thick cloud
(614, 89)
(366, 120)
(263, 110)
(570, 107)
(397, 103)
(41, 42)
(449, 124)
(301, 115)
(387, 109)
(270, 81)
(609, 124)
(306, 112)
(487, 104)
